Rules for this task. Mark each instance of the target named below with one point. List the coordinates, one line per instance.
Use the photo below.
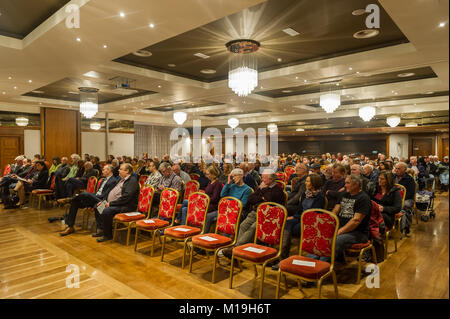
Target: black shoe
(103, 239)
(200, 251)
(98, 234)
(54, 219)
(276, 266)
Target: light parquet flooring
(34, 259)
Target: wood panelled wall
(60, 132)
(11, 145)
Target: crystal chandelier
(95, 126)
(233, 122)
(179, 117)
(88, 101)
(393, 121)
(243, 67)
(330, 100)
(22, 121)
(272, 127)
(367, 113)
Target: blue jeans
(345, 241)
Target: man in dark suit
(121, 199)
(79, 182)
(86, 199)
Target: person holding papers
(122, 198)
(86, 199)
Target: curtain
(151, 139)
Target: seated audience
(294, 197)
(184, 176)
(37, 181)
(70, 172)
(75, 183)
(442, 171)
(122, 198)
(155, 177)
(235, 187)
(169, 180)
(408, 182)
(335, 186)
(248, 179)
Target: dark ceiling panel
(237, 113)
(353, 81)
(326, 29)
(19, 17)
(183, 106)
(67, 88)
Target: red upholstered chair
(286, 197)
(270, 222)
(395, 230)
(289, 170)
(91, 185)
(318, 236)
(228, 216)
(414, 206)
(281, 184)
(143, 211)
(194, 176)
(363, 247)
(192, 186)
(166, 212)
(142, 180)
(43, 193)
(293, 181)
(7, 170)
(88, 212)
(281, 176)
(195, 223)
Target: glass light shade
(95, 126)
(88, 101)
(243, 73)
(22, 121)
(393, 121)
(367, 113)
(88, 109)
(272, 127)
(330, 102)
(411, 124)
(233, 122)
(179, 117)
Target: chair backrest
(145, 199)
(7, 170)
(286, 197)
(375, 220)
(142, 180)
(198, 204)
(194, 176)
(402, 193)
(53, 182)
(326, 203)
(289, 170)
(281, 176)
(270, 222)
(281, 184)
(293, 181)
(191, 186)
(228, 216)
(168, 203)
(99, 182)
(318, 232)
(92, 182)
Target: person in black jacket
(86, 199)
(39, 181)
(404, 179)
(388, 198)
(334, 187)
(121, 199)
(75, 183)
(312, 198)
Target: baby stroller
(425, 203)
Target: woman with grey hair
(236, 187)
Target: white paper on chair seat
(304, 263)
(132, 214)
(149, 221)
(255, 250)
(182, 229)
(208, 238)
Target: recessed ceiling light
(411, 124)
(159, 86)
(171, 65)
(122, 15)
(92, 74)
(151, 25)
(142, 53)
(3, 92)
(15, 88)
(296, 77)
(105, 46)
(442, 24)
(261, 87)
(279, 59)
(201, 55)
(291, 32)
(78, 39)
(357, 72)
(429, 92)
(405, 75)
(72, 92)
(208, 71)
(38, 92)
(29, 81)
(40, 103)
(286, 91)
(358, 12)
(305, 81)
(365, 34)
(300, 130)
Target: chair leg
(39, 202)
(128, 234)
(191, 253)
(319, 286)
(115, 231)
(262, 281)
(184, 253)
(285, 282)
(386, 246)
(214, 266)
(256, 270)
(374, 255)
(277, 292)
(333, 274)
(153, 242)
(358, 280)
(136, 238)
(162, 248)
(231, 272)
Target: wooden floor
(34, 260)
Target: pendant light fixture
(88, 101)
(367, 113)
(233, 122)
(330, 98)
(179, 117)
(393, 121)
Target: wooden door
(9, 150)
(422, 146)
(444, 147)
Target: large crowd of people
(342, 184)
